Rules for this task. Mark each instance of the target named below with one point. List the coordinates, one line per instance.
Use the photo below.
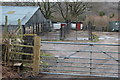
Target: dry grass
(100, 21)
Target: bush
(101, 13)
(95, 38)
(112, 15)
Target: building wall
(37, 22)
(38, 17)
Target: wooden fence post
(6, 27)
(90, 31)
(20, 26)
(36, 56)
(5, 38)
(8, 54)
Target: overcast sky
(59, 0)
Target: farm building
(57, 25)
(32, 19)
(77, 25)
(73, 25)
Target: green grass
(46, 64)
(95, 38)
(46, 54)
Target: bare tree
(71, 10)
(47, 8)
(63, 10)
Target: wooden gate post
(90, 31)
(36, 55)
(9, 51)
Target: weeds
(95, 38)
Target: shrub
(101, 13)
(112, 15)
(95, 38)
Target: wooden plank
(9, 50)
(6, 27)
(29, 35)
(21, 60)
(22, 45)
(21, 53)
(5, 36)
(17, 64)
(36, 58)
(18, 36)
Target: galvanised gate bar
(90, 60)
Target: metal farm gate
(88, 60)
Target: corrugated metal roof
(24, 13)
